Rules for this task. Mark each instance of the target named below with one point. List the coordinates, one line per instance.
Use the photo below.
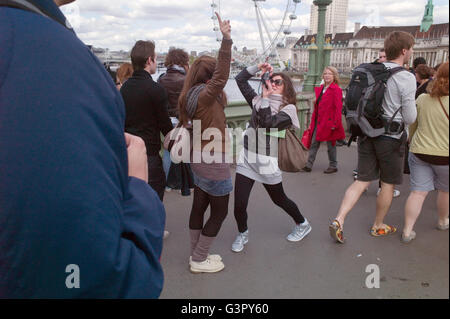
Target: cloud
(117, 24)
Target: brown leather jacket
(173, 81)
(211, 101)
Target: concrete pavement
(271, 267)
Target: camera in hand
(265, 77)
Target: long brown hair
(440, 83)
(124, 72)
(289, 94)
(424, 71)
(201, 71)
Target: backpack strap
(31, 6)
(389, 122)
(395, 71)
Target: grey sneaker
(166, 234)
(396, 192)
(410, 238)
(443, 226)
(299, 231)
(240, 241)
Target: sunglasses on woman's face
(277, 82)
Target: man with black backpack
(380, 102)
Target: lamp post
(318, 58)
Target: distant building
(246, 51)
(194, 54)
(335, 20)
(352, 49)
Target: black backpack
(363, 101)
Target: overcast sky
(117, 24)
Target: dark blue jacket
(65, 194)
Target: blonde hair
(335, 72)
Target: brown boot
(330, 170)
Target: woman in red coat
(326, 121)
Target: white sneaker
(208, 265)
(212, 257)
(168, 189)
(166, 234)
(239, 242)
(299, 232)
(396, 192)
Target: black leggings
(219, 210)
(242, 191)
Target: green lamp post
(427, 20)
(319, 55)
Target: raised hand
(265, 67)
(267, 89)
(225, 27)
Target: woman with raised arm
(274, 111)
(202, 101)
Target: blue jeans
(166, 157)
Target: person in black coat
(146, 110)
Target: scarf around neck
(276, 102)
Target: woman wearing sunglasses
(272, 112)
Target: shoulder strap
(395, 70)
(30, 6)
(443, 108)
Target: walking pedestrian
(429, 154)
(146, 110)
(203, 100)
(382, 157)
(381, 59)
(326, 120)
(177, 63)
(276, 109)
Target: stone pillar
(312, 69)
(315, 71)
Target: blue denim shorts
(213, 188)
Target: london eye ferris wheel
(272, 35)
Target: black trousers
(219, 211)
(156, 175)
(242, 189)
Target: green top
(429, 134)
